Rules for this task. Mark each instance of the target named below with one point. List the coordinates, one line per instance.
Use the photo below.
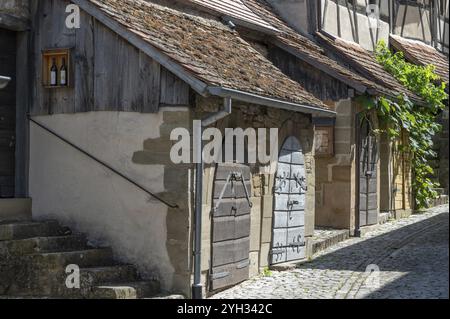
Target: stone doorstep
(323, 239)
(15, 209)
(383, 218)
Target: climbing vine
(418, 120)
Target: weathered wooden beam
(270, 102)
(360, 88)
(144, 46)
(13, 23)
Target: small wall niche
(324, 136)
(56, 60)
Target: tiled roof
(366, 64)
(308, 50)
(234, 9)
(422, 54)
(208, 50)
(370, 73)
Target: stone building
(345, 196)
(100, 139)
(419, 53)
(103, 91)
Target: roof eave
(269, 102)
(252, 26)
(377, 92)
(360, 88)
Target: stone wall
(70, 187)
(443, 151)
(14, 14)
(17, 8)
(289, 123)
(334, 195)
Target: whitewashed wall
(68, 186)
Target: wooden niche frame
(59, 54)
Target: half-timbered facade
(101, 137)
(87, 125)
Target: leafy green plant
(267, 272)
(418, 120)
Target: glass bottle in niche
(54, 73)
(63, 73)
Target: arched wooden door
(368, 174)
(288, 239)
(230, 225)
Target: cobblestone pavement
(411, 254)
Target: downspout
(198, 132)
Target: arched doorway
(288, 236)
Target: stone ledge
(322, 239)
(441, 200)
(15, 209)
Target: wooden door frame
(22, 81)
(24, 77)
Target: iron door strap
(282, 181)
(368, 144)
(233, 176)
(239, 176)
(277, 251)
(301, 181)
(222, 192)
(243, 264)
(291, 203)
(220, 275)
(298, 242)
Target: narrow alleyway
(411, 254)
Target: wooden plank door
(230, 226)
(288, 240)
(368, 175)
(7, 113)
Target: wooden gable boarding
(108, 73)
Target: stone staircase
(34, 256)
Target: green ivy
(419, 121)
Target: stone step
(27, 229)
(162, 296)
(44, 274)
(15, 209)
(134, 290)
(43, 244)
(441, 200)
(98, 275)
(440, 191)
(53, 283)
(83, 258)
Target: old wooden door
(288, 240)
(230, 225)
(7, 113)
(368, 175)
